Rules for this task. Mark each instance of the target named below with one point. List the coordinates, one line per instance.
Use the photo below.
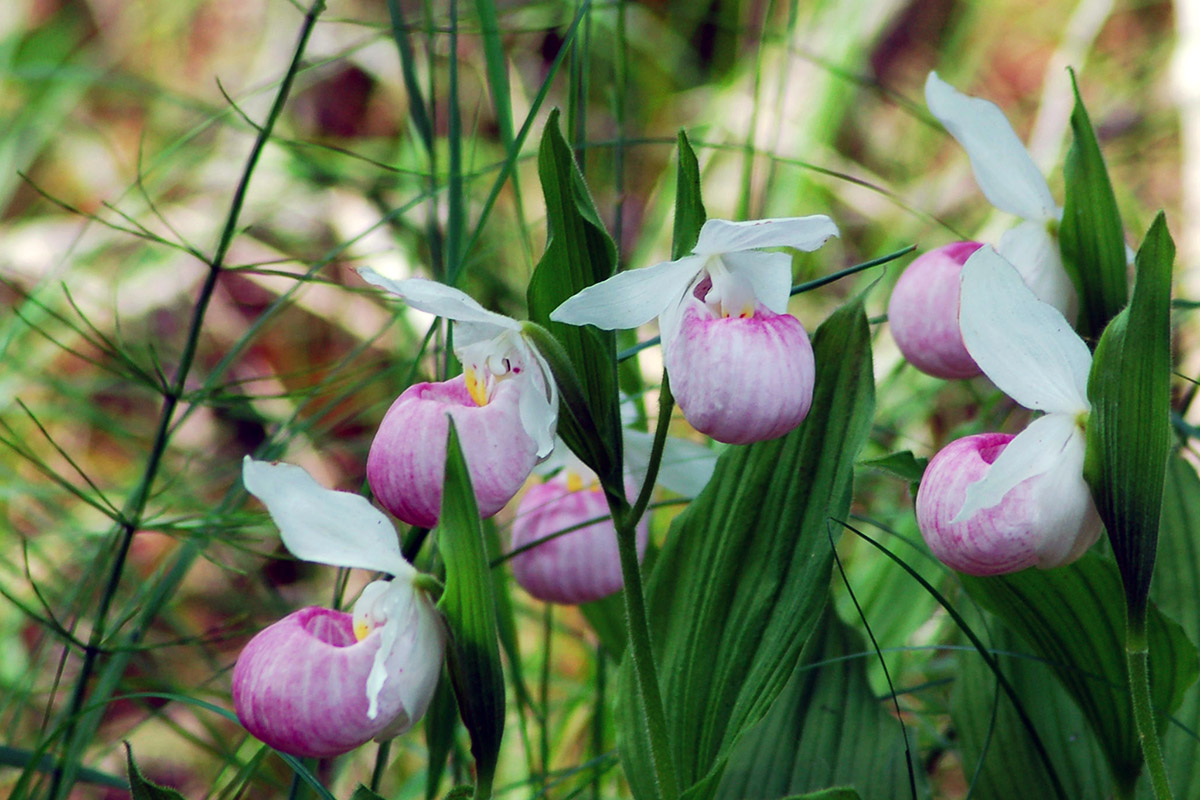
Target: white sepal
(686, 466)
(1034, 451)
(1002, 166)
(719, 236)
(322, 525)
(1026, 347)
(1065, 504)
(631, 298)
(1034, 253)
(441, 300)
(770, 275)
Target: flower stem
(640, 647)
(1137, 660)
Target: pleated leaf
(1128, 434)
(142, 789)
(990, 732)
(827, 729)
(1092, 239)
(1073, 619)
(689, 207)
(579, 253)
(473, 655)
(1176, 591)
(741, 582)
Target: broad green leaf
(825, 729)
(1092, 239)
(903, 465)
(740, 585)
(1128, 434)
(689, 207)
(1073, 619)
(579, 253)
(473, 656)
(441, 721)
(607, 618)
(836, 793)
(142, 789)
(1176, 591)
(990, 731)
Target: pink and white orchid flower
(321, 682)
(741, 367)
(505, 406)
(1011, 182)
(994, 503)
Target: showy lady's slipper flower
(995, 503)
(741, 367)
(504, 405)
(1011, 182)
(581, 562)
(923, 313)
(320, 682)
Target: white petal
(1005, 172)
(803, 233)
(538, 417)
(410, 654)
(322, 525)
(629, 299)
(1034, 252)
(1034, 451)
(1025, 346)
(440, 299)
(1065, 508)
(769, 273)
(686, 466)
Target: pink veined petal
(322, 525)
(1006, 174)
(1034, 451)
(631, 298)
(770, 274)
(923, 313)
(1026, 347)
(440, 299)
(741, 380)
(407, 461)
(718, 236)
(1034, 253)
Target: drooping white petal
(412, 643)
(770, 274)
(1005, 172)
(686, 466)
(440, 299)
(1034, 451)
(1025, 346)
(629, 299)
(803, 233)
(1065, 508)
(1034, 252)
(538, 417)
(322, 525)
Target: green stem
(640, 647)
(135, 508)
(1137, 659)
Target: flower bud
(1047, 520)
(300, 685)
(407, 462)
(576, 567)
(923, 313)
(741, 379)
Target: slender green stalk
(544, 697)
(134, 509)
(381, 762)
(640, 646)
(600, 696)
(1137, 660)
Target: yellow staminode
(476, 388)
(361, 629)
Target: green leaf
(903, 465)
(1128, 434)
(1176, 590)
(826, 729)
(1072, 618)
(579, 253)
(473, 656)
(990, 731)
(441, 722)
(607, 618)
(363, 793)
(1092, 238)
(689, 207)
(835, 793)
(740, 585)
(142, 789)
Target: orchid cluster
(322, 682)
